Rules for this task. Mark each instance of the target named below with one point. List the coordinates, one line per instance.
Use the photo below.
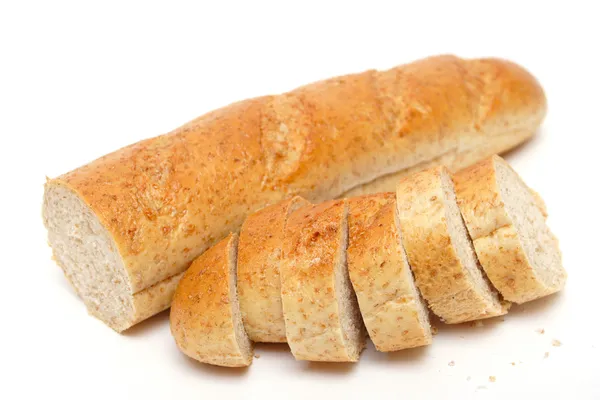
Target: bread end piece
(440, 251)
(259, 256)
(506, 221)
(394, 313)
(322, 317)
(205, 317)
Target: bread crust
(312, 317)
(440, 275)
(259, 257)
(166, 200)
(381, 276)
(494, 234)
(202, 314)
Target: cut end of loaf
(245, 346)
(538, 242)
(88, 257)
(353, 328)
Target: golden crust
(380, 275)
(165, 200)
(494, 235)
(439, 273)
(259, 256)
(312, 243)
(201, 313)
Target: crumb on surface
(546, 354)
(492, 378)
(541, 331)
(513, 363)
(434, 330)
(556, 343)
(257, 356)
(451, 364)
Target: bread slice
(506, 220)
(394, 313)
(440, 251)
(259, 256)
(321, 313)
(205, 316)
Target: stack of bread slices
(322, 277)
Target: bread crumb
(451, 364)
(434, 330)
(556, 343)
(546, 354)
(492, 378)
(477, 324)
(540, 331)
(257, 356)
(513, 363)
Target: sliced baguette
(259, 256)
(440, 251)
(394, 313)
(321, 313)
(506, 221)
(205, 316)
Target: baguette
(394, 313)
(259, 256)
(506, 221)
(205, 318)
(322, 318)
(440, 251)
(126, 226)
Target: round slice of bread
(205, 316)
(440, 251)
(506, 221)
(259, 256)
(321, 313)
(394, 313)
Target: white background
(79, 80)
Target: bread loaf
(205, 316)
(259, 256)
(124, 227)
(322, 318)
(394, 313)
(506, 221)
(440, 251)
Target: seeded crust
(259, 256)
(506, 221)
(394, 313)
(440, 252)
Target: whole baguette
(123, 224)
